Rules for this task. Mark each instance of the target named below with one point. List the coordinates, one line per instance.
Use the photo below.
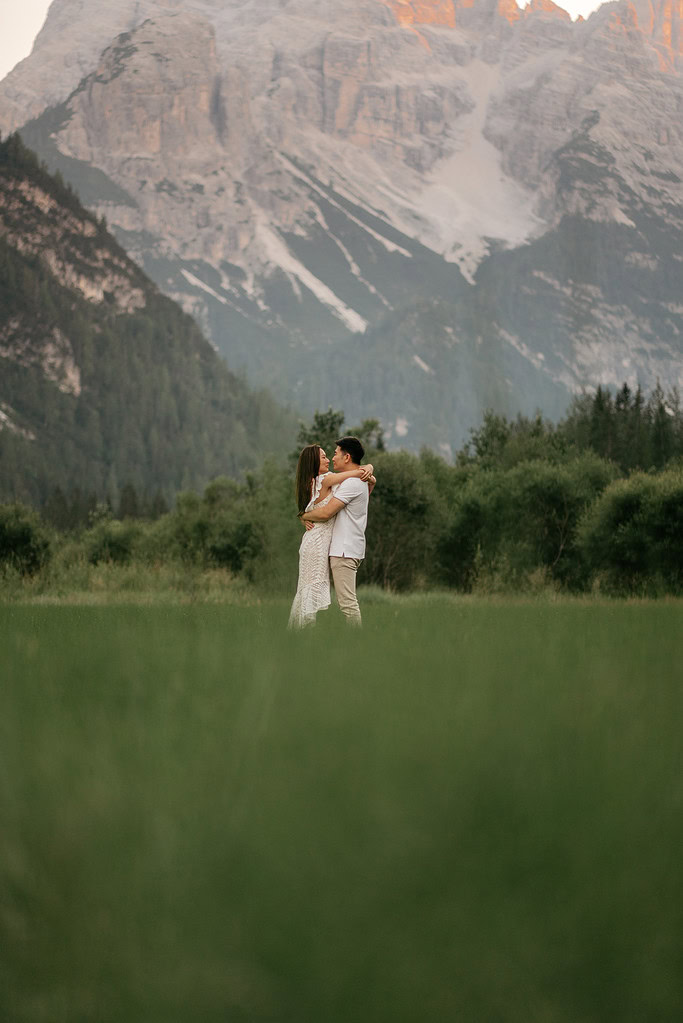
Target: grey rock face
(77, 257)
(307, 177)
(101, 276)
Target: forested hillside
(103, 380)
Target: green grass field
(470, 811)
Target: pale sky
(21, 20)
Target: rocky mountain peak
(297, 173)
(139, 77)
(662, 21)
(422, 12)
(509, 10)
(546, 7)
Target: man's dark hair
(352, 446)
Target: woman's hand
(368, 471)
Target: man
(349, 506)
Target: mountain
(103, 380)
(410, 209)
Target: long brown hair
(307, 468)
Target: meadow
(469, 810)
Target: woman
(313, 488)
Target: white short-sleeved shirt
(348, 535)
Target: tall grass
(171, 582)
(468, 811)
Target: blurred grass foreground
(470, 811)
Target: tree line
(593, 503)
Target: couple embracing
(334, 509)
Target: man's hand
(322, 514)
(308, 525)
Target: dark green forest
(591, 504)
(156, 406)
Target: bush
(632, 537)
(24, 542)
(113, 541)
(400, 523)
(521, 522)
(217, 529)
(232, 543)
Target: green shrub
(113, 541)
(233, 542)
(400, 523)
(221, 528)
(188, 528)
(632, 538)
(24, 542)
(521, 522)
(155, 543)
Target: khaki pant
(344, 575)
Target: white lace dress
(313, 589)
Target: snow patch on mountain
(195, 281)
(352, 196)
(425, 367)
(279, 256)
